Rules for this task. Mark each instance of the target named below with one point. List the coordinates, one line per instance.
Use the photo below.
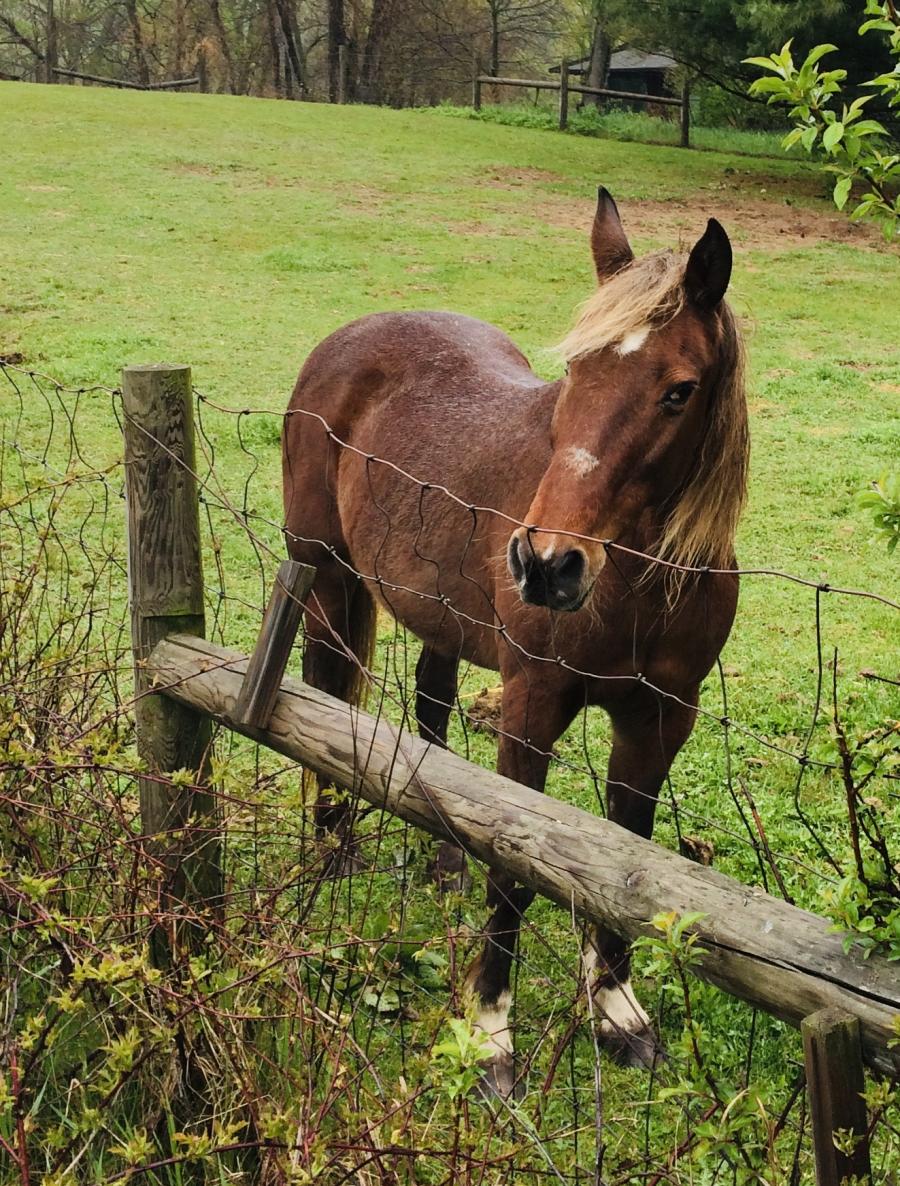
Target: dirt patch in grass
(752, 222)
(195, 168)
(513, 176)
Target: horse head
(650, 424)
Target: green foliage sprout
(855, 148)
(458, 1060)
(882, 498)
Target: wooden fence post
(476, 83)
(563, 96)
(165, 579)
(835, 1082)
(343, 76)
(201, 70)
(686, 115)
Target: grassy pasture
(234, 234)
(614, 123)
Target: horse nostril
(515, 560)
(570, 566)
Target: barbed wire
(307, 992)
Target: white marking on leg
(493, 1021)
(590, 959)
(580, 461)
(620, 1010)
(633, 341)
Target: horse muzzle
(557, 578)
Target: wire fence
(313, 1036)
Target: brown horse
(641, 449)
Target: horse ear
(608, 242)
(709, 267)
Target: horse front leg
(534, 715)
(645, 743)
(436, 682)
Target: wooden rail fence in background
(173, 84)
(566, 88)
(756, 947)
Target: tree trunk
(598, 71)
(291, 39)
(495, 40)
(275, 49)
(52, 58)
(180, 37)
(298, 50)
(370, 84)
(336, 38)
(137, 40)
(222, 38)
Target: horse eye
(676, 397)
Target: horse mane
(700, 527)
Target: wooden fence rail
(565, 88)
(172, 84)
(759, 948)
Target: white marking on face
(633, 341)
(493, 1021)
(619, 1009)
(580, 461)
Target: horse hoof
(449, 870)
(343, 861)
(641, 1049)
(498, 1080)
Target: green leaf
(842, 192)
(877, 23)
(765, 63)
(856, 107)
(770, 86)
(819, 52)
(382, 1000)
(869, 127)
(832, 135)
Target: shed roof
(635, 59)
(626, 58)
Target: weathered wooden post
(165, 579)
(835, 1082)
(563, 96)
(686, 114)
(476, 83)
(201, 70)
(343, 77)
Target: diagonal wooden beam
(269, 660)
(757, 947)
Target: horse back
(386, 411)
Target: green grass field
(234, 234)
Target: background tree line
(407, 52)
